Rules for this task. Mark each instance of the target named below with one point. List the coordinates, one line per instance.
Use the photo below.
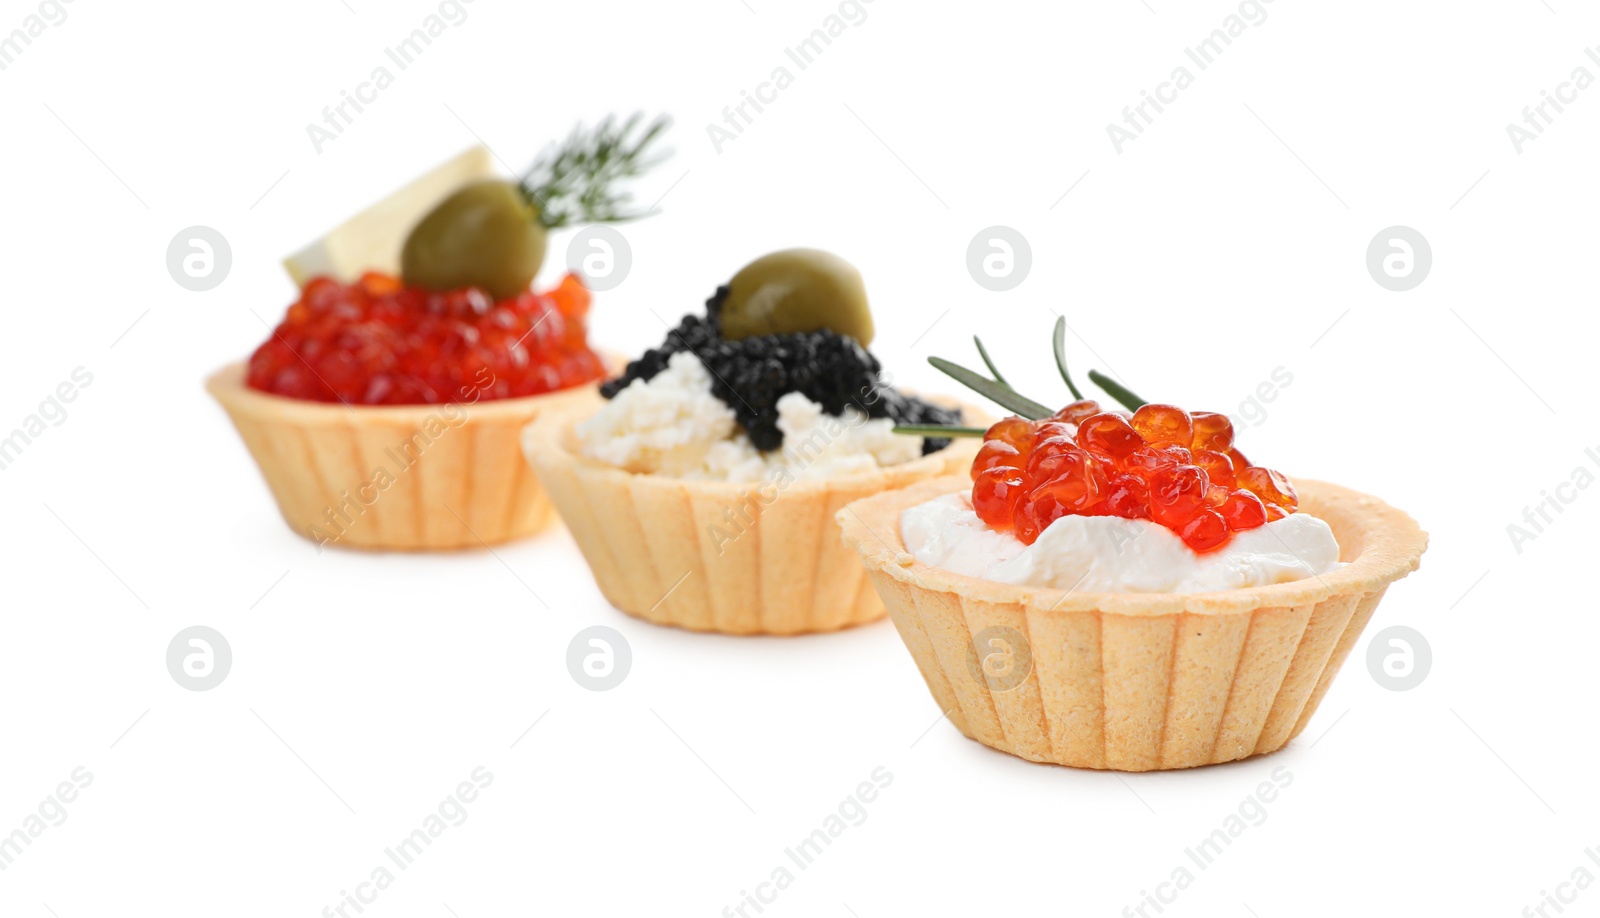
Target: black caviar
(751, 374)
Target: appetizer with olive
(731, 444)
(790, 329)
(442, 329)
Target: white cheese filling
(1107, 554)
(672, 425)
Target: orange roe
(1162, 464)
(378, 342)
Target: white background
(1228, 240)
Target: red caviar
(378, 342)
(1163, 464)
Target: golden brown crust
(731, 557)
(465, 487)
(1134, 681)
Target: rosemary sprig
(576, 181)
(1004, 396)
(982, 352)
(939, 430)
(1117, 390)
(999, 391)
(996, 390)
(1059, 340)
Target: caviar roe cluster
(1160, 463)
(749, 375)
(379, 342)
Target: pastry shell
(399, 477)
(729, 557)
(1134, 681)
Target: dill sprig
(577, 181)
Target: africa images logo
(406, 453)
(1537, 117)
(1135, 118)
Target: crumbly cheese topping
(673, 425)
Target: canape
(1119, 590)
(702, 494)
(385, 410)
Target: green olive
(485, 235)
(797, 290)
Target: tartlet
(468, 486)
(703, 494)
(386, 409)
(664, 549)
(1218, 599)
(349, 468)
(1137, 681)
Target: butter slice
(372, 239)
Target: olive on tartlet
(728, 448)
(814, 304)
(384, 410)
